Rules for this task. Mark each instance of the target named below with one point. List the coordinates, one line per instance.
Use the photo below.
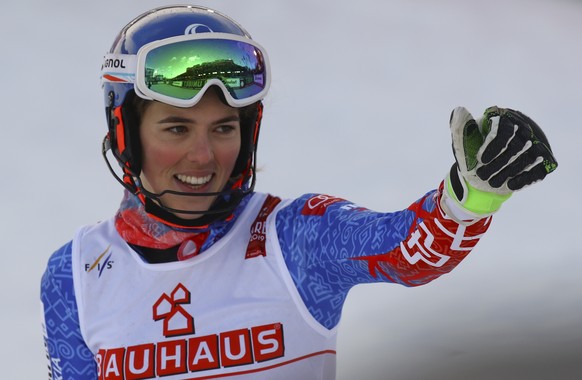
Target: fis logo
(102, 262)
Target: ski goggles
(178, 70)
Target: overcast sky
(358, 108)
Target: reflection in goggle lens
(181, 69)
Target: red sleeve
(435, 245)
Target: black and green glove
(503, 152)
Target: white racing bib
(223, 313)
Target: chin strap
(215, 213)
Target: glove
(504, 152)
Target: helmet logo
(197, 28)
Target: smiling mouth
(194, 182)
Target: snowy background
(359, 108)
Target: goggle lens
(181, 70)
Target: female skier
(197, 276)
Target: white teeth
(196, 181)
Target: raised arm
(331, 244)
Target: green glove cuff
(478, 201)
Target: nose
(200, 150)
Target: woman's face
(191, 150)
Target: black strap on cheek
(250, 124)
(115, 124)
(131, 121)
(122, 153)
(111, 123)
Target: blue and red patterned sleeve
(68, 356)
(331, 244)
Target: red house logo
(177, 321)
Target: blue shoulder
(69, 357)
(322, 236)
(316, 242)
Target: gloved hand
(503, 152)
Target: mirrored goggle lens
(181, 69)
